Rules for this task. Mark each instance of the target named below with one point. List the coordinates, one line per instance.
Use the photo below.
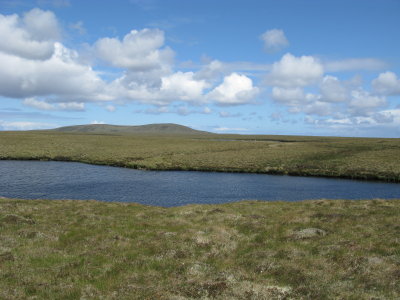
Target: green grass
(361, 158)
(326, 249)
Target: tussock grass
(322, 249)
(361, 158)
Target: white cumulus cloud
(41, 105)
(235, 89)
(317, 108)
(274, 40)
(391, 114)
(332, 90)
(60, 75)
(363, 103)
(182, 86)
(299, 101)
(41, 25)
(387, 84)
(211, 72)
(292, 71)
(139, 50)
(290, 96)
(31, 36)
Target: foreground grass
(359, 158)
(245, 250)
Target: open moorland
(325, 249)
(181, 148)
(72, 249)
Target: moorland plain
(358, 158)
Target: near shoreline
(71, 249)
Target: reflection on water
(66, 180)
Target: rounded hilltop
(163, 128)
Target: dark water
(66, 180)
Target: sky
(293, 67)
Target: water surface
(67, 180)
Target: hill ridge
(157, 128)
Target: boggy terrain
(326, 249)
(153, 149)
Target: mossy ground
(326, 249)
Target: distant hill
(167, 128)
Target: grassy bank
(361, 158)
(245, 250)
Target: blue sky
(302, 67)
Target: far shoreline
(347, 158)
(367, 177)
